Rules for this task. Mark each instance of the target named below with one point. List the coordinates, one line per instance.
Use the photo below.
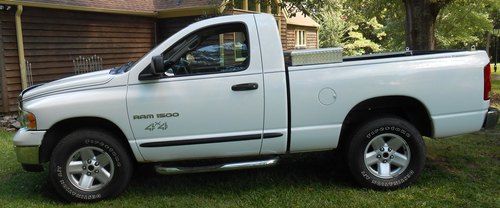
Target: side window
(216, 49)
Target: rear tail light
(487, 82)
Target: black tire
(90, 138)
(386, 128)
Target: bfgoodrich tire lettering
(100, 142)
(372, 161)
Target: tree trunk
(421, 23)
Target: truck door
(210, 103)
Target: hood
(87, 80)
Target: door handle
(245, 87)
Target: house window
(268, 6)
(300, 38)
(252, 5)
(238, 4)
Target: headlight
(27, 120)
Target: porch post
(20, 48)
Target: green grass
(461, 171)
(495, 85)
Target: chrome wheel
(90, 168)
(387, 155)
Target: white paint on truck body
(450, 85)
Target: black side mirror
(156, 69)
(157, 65)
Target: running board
(220, 167)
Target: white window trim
(300, 38)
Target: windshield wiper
(123, 68)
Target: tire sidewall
(382, 126)
(89, 138)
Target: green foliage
(464, 23)
(366, 26)
(308, 7)
(333, 27)
(346, 27)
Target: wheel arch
(62, 128)
(408, 108)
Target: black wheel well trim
(64, 127)
(387, 104)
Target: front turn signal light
(30, 121)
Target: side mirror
(157, 65)
(156, 69)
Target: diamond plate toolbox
(314, 56)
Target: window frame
(227, 24)
(298, 42)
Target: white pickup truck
(223, 91)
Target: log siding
(53, 38)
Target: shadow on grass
(300, 171)
(295, 177)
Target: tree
(343, 26)
(307, 7)
(421, 16)
(418, 24)
(466, 23)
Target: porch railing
(84, 64)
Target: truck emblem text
(159, 115)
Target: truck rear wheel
(386, 153)
(89, 165)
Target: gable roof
(301, 20)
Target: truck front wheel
(89, 165)
(386, 153)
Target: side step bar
(220, 167)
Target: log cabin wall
(169, 26)
(4, 102)
(53, 38)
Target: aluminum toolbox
(313, 56)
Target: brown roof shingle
(175, 4)
(132, 5)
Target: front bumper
(28, 155)
(491, 119)
(27, 146)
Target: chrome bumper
(27, 147)
(491, 119)
(28, 155)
